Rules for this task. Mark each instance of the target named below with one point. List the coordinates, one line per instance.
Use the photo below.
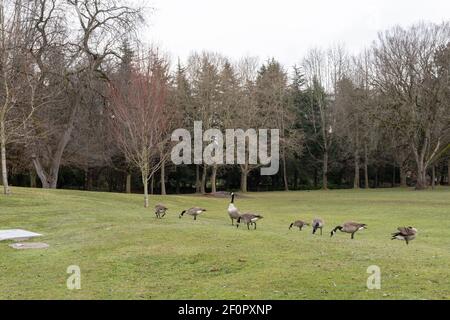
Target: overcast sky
(283, 29)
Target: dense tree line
(84, 105)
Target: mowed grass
(125, 253)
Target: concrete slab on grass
(29, 245)
(17, 235)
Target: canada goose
(233, 212)
(318, 224)
(160, 211)
(299, 224)
(406, 233)
(349, 227)
(196, 211)
(249, 218)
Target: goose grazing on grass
(249, 219)
(196, 211)
(233, 212)
(318, 224)
(160, 211)
(349, 227)
(299, 224)
(406, 233)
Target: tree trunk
(197, 179)
(49, 178)
(285, 177)
(163, 178)
(244, 175)
(213, 179)
(6, 189)
(441, 177)
(33, 183)
(403, 173)
(145, 182)
(86, 178)
(433, 176)
(203, 183)
(325, 171)
(366, 168)
(421, 177)
(152, 185)
(356, 177)
(421, 164)
(128, 183)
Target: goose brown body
(194, 212)
(318, 223)
(405, 233)
(299, 224)
(349, 227)
(249, 219)
(160, 211)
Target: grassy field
(125, 253)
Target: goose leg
(248, 226)
(255, 225)
(321, 231)
(195, 218)
(353, 235)
(232, 221)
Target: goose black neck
(232, 198)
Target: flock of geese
(406, 234)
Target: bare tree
(349, 128)
(140, 119)
(204, 73)
(272, 95)
(247, 113)
(407, 77)
(73, 60)
(18, 81)
(323, 71)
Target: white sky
(283, 29)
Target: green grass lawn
(125, 253)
